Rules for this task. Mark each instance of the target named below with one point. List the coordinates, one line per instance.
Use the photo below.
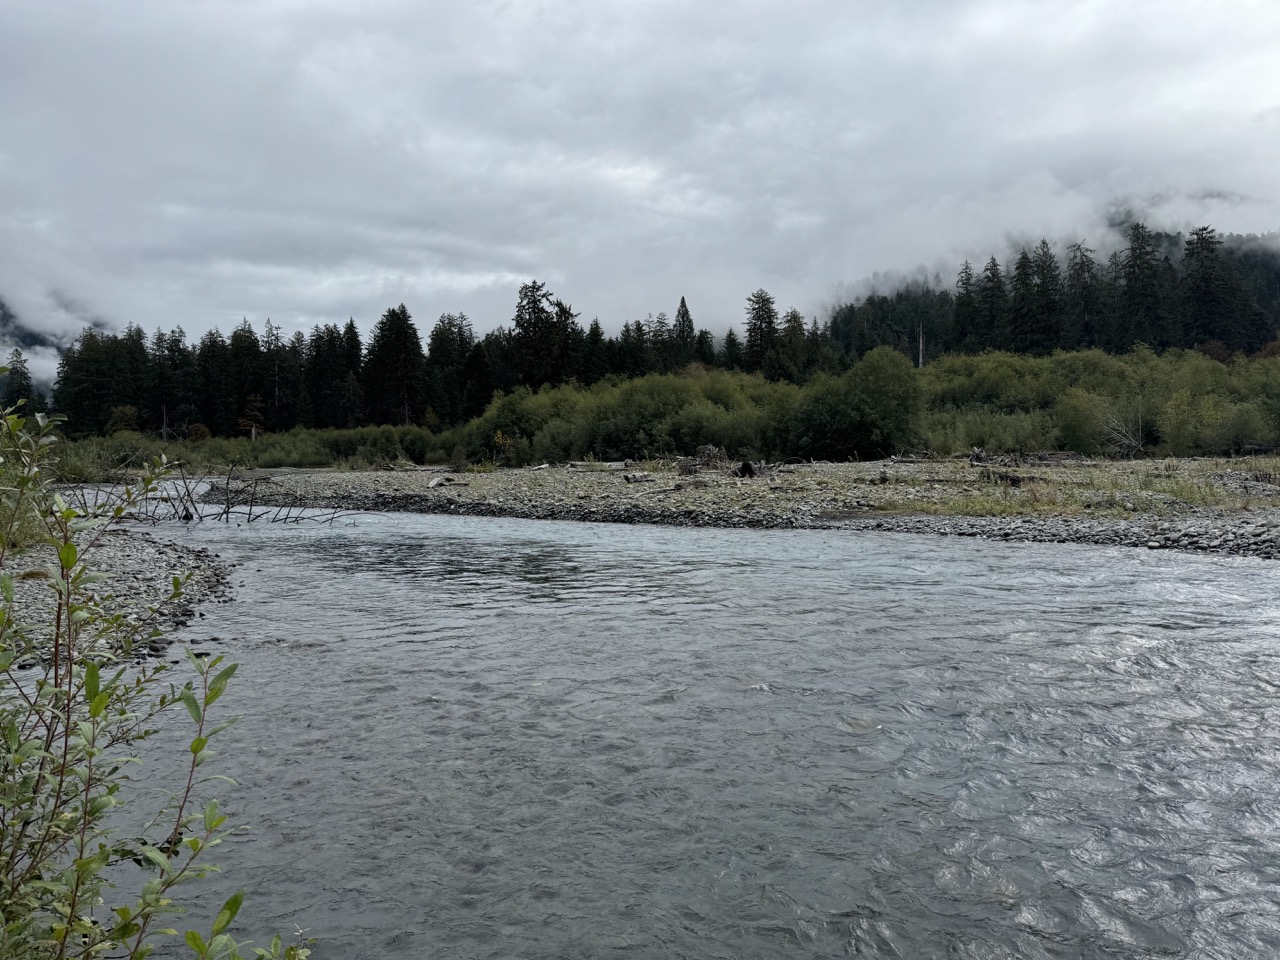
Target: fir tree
(993, 305)
(762, 329)
(1047, 333)
(704, 348)
(1020, 330)
(393, 370)
(968, 332)
(731, 355)
(1082, 298)
(17, 385)
(216, 401)
(1141, 322)
(683, 336)
(1212, 304)
(595, 354)
(448, 347)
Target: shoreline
(1193, 506)
(138, 570)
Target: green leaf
(212, 819)
(155, 856)
(193, 707)
(91, 682)
(228, 912)
(199, 744)
(218, 686)
(68, 555)
(196, 943)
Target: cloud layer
(191, 164)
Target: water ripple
(489, 738)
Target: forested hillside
(1169, 293)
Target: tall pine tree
(762, 329)
(394, 367)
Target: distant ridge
(15, 333)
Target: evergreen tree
(547, 336)
(303, 416)
(172, 385)
(571, 341)
(129, 368)
(1082, 299)
(683, 336)
(791, 351)
(352, 350)
(325, 373)
(658, 331)
(1113, 326)
(1141, 291)
(247, 370)
(731, 355)
(448, 347)
(1022, 316)
(216, 392)
(83, 388)
(352, 400)
(490, 369)
(17, 383)
(762, 329)
(632, 357)
(283, 391)
(394, 367)
(821, 351)
(1213, 306)
(595, 354)
(704, 348)
(993, 305)
(1047, 334)
(969, 333)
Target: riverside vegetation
(1181, 403)
(78, 700)
(1219, 295)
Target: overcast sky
(176, 162)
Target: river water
(467, 737)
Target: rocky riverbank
(138, 571)
(1226, 507)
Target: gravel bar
(1198, 506)
(138, 571)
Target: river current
(472, 738)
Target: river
(476, 738)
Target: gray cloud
(191, 164)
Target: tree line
(1179, 403)
(1221, 296)
(1203, 291)
(247, 383)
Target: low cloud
(192, 164)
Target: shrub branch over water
(76, 705)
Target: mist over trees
(1213, 294)
(1201, 291)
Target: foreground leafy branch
(76, 705)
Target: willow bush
(77, 704)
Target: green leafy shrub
(76, 704)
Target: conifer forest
(1168, 343)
